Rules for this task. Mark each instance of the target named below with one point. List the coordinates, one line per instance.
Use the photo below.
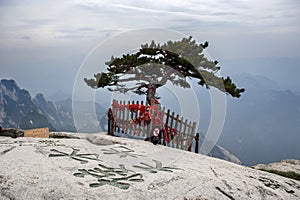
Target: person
(156, 136)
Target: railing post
(110, 122)
(181, 134)
(197, 143)
(177, 131)
(166, 126)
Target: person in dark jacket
(156, 136)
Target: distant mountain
(15, 104)
(57, 115)
(59, 96)
(217, 151)
(35, 120)
(87, 124)
(281, 69)
(222, 153)
(262, 126)
(18, 109)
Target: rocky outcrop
(222, 153)
(57, 115)
(105, 167)
(15, 103)
(289, 165)
(19, 110)
(11, 132)
(217, 151)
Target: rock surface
(222, 153)
(99, 166)
(284, 165)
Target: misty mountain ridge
(59, 95)
(256, 82)
(20, 110)
(280, 69)
(262, 126)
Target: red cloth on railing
(169, 133)
(144, 113)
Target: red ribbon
(144, 113)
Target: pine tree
(152, 66)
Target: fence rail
(138, 120)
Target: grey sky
(43, 43)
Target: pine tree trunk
(151, 91)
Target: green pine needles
(157, 64)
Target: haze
(43, 43)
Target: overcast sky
(43, 43)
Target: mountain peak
(40, 99)
(9, 85)
(8, 82)
(40, 95)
